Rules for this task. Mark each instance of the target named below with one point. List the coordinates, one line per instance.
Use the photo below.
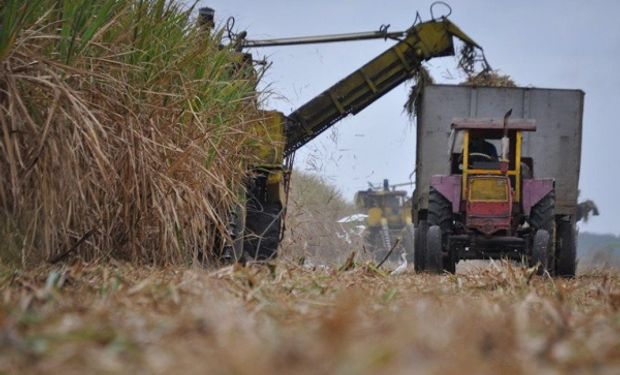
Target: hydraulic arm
(373, 80)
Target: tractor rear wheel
(419, 246)
(439, 211)
(566, 248)
(540, 251)
(434, 250)
(542, 216)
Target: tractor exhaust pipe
(503, 162)
(206, 18)
(505, 141)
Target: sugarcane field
(327, 187)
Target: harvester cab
(490, 206)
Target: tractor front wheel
(540, 251)
(542, 217)
(434, 250)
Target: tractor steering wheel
(481, 155)
(477, 154)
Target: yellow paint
(516, 172)
(359, 89)
(465, 163)
(269, 139)
(517, 188)
(488, 189)
(374, 216)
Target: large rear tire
(419, 246)
(439, 211)
(542, 216)
(540, 251)
(434, 250)
(566, 248)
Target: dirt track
(257, 320)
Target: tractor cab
(487, 155)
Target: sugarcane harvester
(266, 192)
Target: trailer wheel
(540, 251)
(419, 246)
(566, 248)
(434, 250)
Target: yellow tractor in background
(388, 223)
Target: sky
(552, 44)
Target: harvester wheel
(233, 251)
(542, 216)
(434, 250)
(566, 249)
(263, 226)
(540, 251)
(419, 246)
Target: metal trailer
(555, 146)
(449, 227)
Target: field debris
(257, 320)
(490, 78)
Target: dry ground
(289, 319)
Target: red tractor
(490, 206)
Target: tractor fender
(534, 190)
(450, 188)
